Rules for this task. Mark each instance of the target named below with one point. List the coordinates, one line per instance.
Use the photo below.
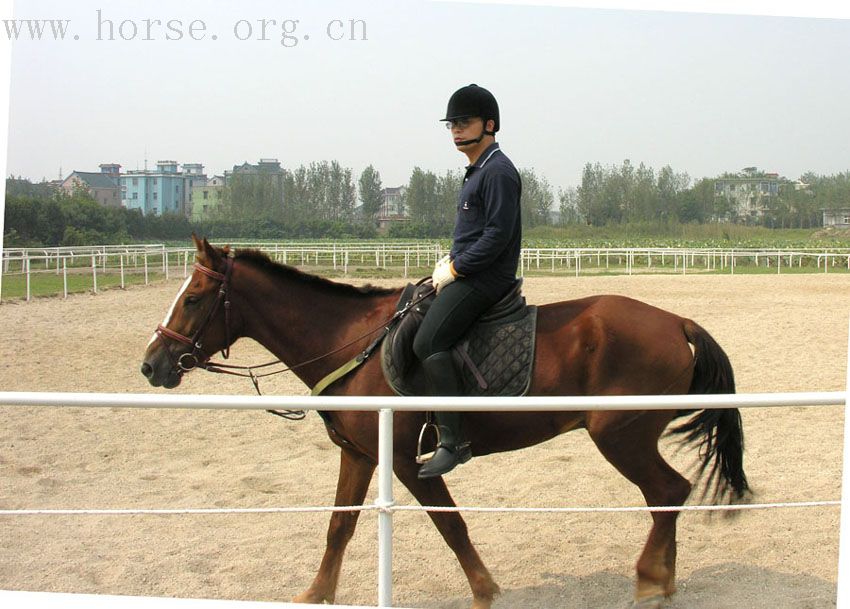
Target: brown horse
(604, 345)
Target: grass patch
(50, 284)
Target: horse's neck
(298, 322)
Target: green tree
(590, 203)
(447, 194)
(59, 218)
(697, 204)
(644, 194)
(23, 188)
(568, 208)
(21, 222)
(670, 187)
(421, 197)
(341, 193)
(371, 191)
(537, 199)
(253, 196)
(296, 196)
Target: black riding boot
(451, 451)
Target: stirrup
(420, 458)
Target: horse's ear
(206, 254)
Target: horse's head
(197, 324)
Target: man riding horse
(481, 266)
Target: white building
(392, 207)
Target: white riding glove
(442, 275)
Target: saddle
(495, 356)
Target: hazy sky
(703, 93)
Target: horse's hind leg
(355, 473)
(633, 450)
(433, 491)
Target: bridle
(197, 357)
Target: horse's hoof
(651, 602)
(309, 598)
(484, 600)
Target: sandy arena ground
(782, 333)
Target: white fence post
(94, 273)
(65, 277)
(385, 500)
(27, 263)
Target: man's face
(463, 129)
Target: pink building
(103, 186)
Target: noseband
(197, 357)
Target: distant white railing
(683, 260)
(120, 264)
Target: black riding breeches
(454, 310)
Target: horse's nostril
(147, 370)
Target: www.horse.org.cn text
(107, 28)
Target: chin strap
(466, 142)
(476, 140)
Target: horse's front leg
(355, 473)
(452, 527)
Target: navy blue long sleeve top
(488, 230)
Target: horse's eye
(191, 299)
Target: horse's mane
(260, 259)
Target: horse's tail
(718, 432)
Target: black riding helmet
(473, 100)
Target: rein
(386, 326)
(197, 358)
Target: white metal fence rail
(57, 600)
(121, 263)
(384, 504)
